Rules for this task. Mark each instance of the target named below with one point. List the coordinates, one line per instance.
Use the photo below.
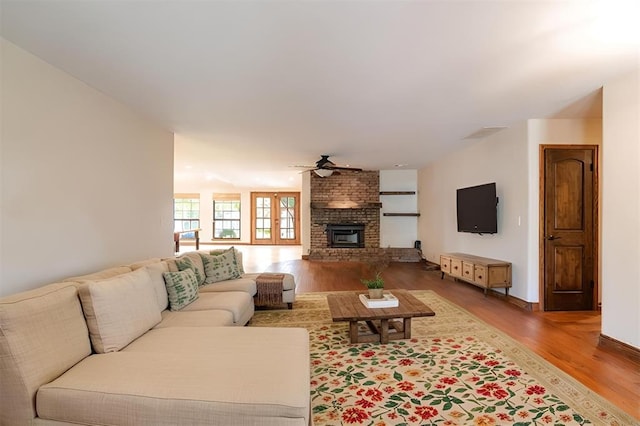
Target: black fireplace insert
(345, 235)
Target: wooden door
(275, 218)
(568, 237)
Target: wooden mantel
(345, 205)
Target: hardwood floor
(569, 340)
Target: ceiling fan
(325, 167)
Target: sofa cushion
(220, 267)
(119, 309)
(184, 263)
(239, 303)
(210, 318)
(182, 288)
(197, 261)
(143, 263)
(155, 271)
(42, 334)
(101, 275)
(246, 284)
(189, 375)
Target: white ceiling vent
(485, 131)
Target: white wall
(86, 184)
(621, 210)
(500, 158)
(305, 213)
(398, 231)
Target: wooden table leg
(407, 328)
(176, 240)
(384, 331)
(353, 331)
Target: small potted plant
(376, 284)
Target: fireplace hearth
(345, 235)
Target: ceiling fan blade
(353, 169)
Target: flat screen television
(477, 209)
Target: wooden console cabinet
(481, 271)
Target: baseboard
(522, 304)
(305, 257)
(626, 350)
(214, 243)
(527, 306)
(430, 266)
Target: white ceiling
(252, 87)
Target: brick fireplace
(349, 198)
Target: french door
(275, 218)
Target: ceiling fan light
(323, 172)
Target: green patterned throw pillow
(220, 267)
(183, 263)
(237, 253)
(182, 288)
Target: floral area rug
(455, 370)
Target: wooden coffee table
(348, 307)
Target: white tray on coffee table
(388, 301)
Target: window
(226, 216)
(186, 213)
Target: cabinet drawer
(456, 267)
(480, 274)
(445, 264)
(467, 271)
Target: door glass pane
(263, 218)
(287, 218)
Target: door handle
(551, 238)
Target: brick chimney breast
(347, 197)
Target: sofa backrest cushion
(184, 263)
(143, 263)
(42, 334)
(197, 262)
(101, 275)
(155, 271)
(119, 309)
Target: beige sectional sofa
(103, 349)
